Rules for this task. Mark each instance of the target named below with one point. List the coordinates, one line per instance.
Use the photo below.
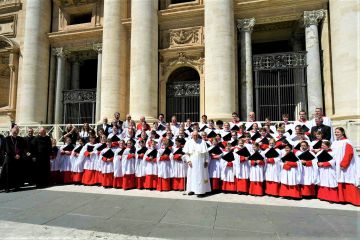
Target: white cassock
(197, 176)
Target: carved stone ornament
(246, 24)
(279, 61)
(181, 59)
(60, 52)
(76, 96)
(187, 36)
(313, 17)
(97, 47)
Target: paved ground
(77, 212)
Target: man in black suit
(105, 126)
(2, 147)
(320, 127)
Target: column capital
(313, 17)
(97, 47)
(246, 24)
(60, 52)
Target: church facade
(75, 61)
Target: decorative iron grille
(183, 100)
(79, 106)
(280, 84)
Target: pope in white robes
(197, 157)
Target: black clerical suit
(43, 150)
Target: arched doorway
(183, 94)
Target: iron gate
(183, 100)
(280, 84)
(79, 106)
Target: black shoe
(201, 195)
(191, 193)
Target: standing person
(43, 149)
(150, 166)
(118, 172)
(28, 169)
(309, 175)
(85, 132)
(290, 175)
(14, 150)
(197, 156)
(107, 166)
(104, 126)
(347, 168)
(164, 167)
(117, 121)
(178, 167)
(257, 165)
(273, 169)
(72, 133)
(320, 127)
(215, 153)
(76, 159)
(65, 163)
(128, 122)
(54, 163)
(2, 145)
(139, 165)
(327, 186)
(128, 166)
(227, 167)
(242, 168)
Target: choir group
(301, 159)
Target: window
(80, 18)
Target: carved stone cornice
(97, 47)
(182, 37)
(60, 52)
(246, 24)
(182, 59)
(313, 17)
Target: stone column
(113, 74)
(60, 84)
(52, 83)
(33, 87)
(75, 73)
(313, 76)
(245, 27)
(98, 48)
(144, 59)
(220, 82)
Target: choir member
(150, 166)
(164, 166)
(268, 125)
(242, 168)
(77, 163)
(161, 120)
(204, 122)
(273, 169)
(118, 171)
(54, 163)
(128, 165)
(235, 122)
(197, 157)
(289, 127)
(178, 166)
(219, 125)
(347, 168)
(327, 186)
(304, 123)
(87, 158)
(227, 168)
(92, 164)
(139, 165)
(316, 144)
(257, 165)
(85, 132)
(174, 125)
(319, 113)
(309, 175)
(290, 175)
(281, 139)
(107, 166)
(115, 137)
(65, 169)
(215, 153)
(263, 141)
(14, 149)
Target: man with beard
(42, 152)
(14, 149)
(28, 169)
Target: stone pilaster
(245, 27)
(314, 82)
(33, 87)
(113, 74)
(60, 84)
(144, 59)
(98, 48)
(220, 87)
